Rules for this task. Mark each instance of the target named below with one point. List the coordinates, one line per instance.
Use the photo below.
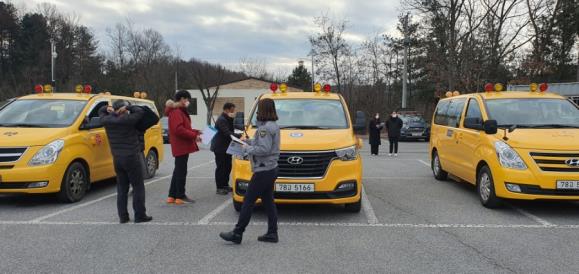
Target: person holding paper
(219, 145)
(183, 142)
(263, 152)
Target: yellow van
(319, 161)
(53, 143)
(511, 145)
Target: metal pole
(52, 57)
(313, 73)
(405, 72)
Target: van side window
(440, 118)
(455, 112)
(473, 110)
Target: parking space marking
(424, 163)
(367, 208)
(79, 206)
(207, 219)
(298, 224)
(532, 216)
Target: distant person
(394, 126)
(374, 129)
(120, 122)
(219, 145)
(183, 139)
(263, 152)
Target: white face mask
(186, 104)
(394, 115)
(231, 114)
(377, 117)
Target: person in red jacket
(183, 140)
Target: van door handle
(458, 137)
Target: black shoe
(229, 189)
(145, 219)
(222, 191)
(231, 237)
(268, 238)
(124, 219)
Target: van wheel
(486, 188)
(354, 207)
(237, 206)
(439, 173)
(74, 184)
(152, 162)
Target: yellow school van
(511, 145)
(319, 161)
(54, 143)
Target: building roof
(252, 83)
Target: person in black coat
(219, 145)
(374, 129)
(394, 126)
(120, 122)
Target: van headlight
(508, 157)
(347, 154)
(48, 154)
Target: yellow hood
(543, 139)
(25, 137)
(317, 140)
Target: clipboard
(237, 140)
(235, 149)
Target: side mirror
(239, 121)
(94, 122)
(360, 122)
(473, 123)
(490, 127)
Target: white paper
(233, 138)
(207, 135)
(235, 149)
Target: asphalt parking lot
(409, 223)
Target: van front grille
(556, 162)
(10, 155)
(311, 165)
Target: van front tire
(354, 207)
(74, 184)
(485, 186)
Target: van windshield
(534, 113)
(309, 114)
(41, 113)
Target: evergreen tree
(300, 78)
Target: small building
(242, 93)
(569, 90)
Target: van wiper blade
(303, 127)
(553, 126)
(23, 125)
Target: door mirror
(94, 122)
(239, 121)
(490, 127)
(473, 123)
(360, 122)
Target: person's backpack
(150, 118)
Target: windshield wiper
(24, 125)
(552, 126)
(303, 127)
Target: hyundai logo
(572, 162)
(10, 134)
(295, 160)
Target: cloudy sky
(223, 31)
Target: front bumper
(20, 179)
(326, 188)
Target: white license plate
(567, 184)
(416, 134)
(294, 188)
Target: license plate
(567, 184)
(294, 187)
(416, 134)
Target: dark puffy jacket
(182, 136)
(121, 131)
(222, 139)
(374, 129)
(394, 125)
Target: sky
(224, 31)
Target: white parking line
(75, 207)
(424, 163)
(367, 207)
(532, 216)
(298, 224)
(207, 219)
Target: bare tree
(254, 67)
(329, 47)
(208, 80)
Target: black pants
(177, 189)
(144, 167)
(223, 170)
(261, 186)
(375, 149)
(130, 173)
(393, 144)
